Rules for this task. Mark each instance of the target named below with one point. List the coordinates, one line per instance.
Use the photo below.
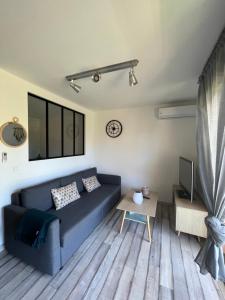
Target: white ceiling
(43, 41)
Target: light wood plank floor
(110, 265)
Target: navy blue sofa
(75, 221)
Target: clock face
(114, 128)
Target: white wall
(18, 172)
(147, 151)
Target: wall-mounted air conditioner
(177, 112)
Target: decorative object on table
(12, 133)
(145, 191)
(114, 128)
(138, 197)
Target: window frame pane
(45, 131)
(83, 137)
(62, 129)
(60, 134)
(63, 133)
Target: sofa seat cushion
(77, 217)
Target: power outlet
(4, 157)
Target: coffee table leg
(149, 230)
(121, 227)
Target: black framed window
(54, 130)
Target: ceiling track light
(132, 78)
(96, 77)
(95, 74)
(75, 86)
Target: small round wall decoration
(114, 128)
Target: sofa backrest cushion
(78, 178)
(39, 196)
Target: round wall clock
(114, 128)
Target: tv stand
(190, 216)
(183, 194)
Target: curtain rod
(220, 42)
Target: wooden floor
(110, 265)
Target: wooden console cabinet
(190, 217)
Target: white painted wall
(18, 172)
(147, 151)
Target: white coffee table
(138, 213)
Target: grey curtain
(211, 159)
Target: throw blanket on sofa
(32, 229)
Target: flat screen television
(186, 178)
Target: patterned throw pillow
(91, 183)
(65, 195)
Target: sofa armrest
(47, 257)
(15, 198)
(109, 179)
(12, 214)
